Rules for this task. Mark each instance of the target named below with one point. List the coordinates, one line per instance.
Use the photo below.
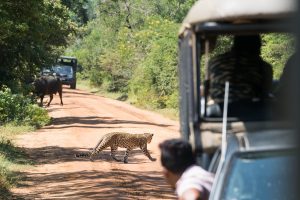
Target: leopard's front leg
(126, 155)
(146, 153)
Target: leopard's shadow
(132, 159)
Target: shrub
(20, 109)
(36, 116)
(155, 80)
(276, 50)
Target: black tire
(73, 85)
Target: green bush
(20, 109)
(276, 50)
(36, 116)
(132, 50)
(155, 80)
(96, 77)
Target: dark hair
(176, 155)
(250, 43)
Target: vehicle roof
(236, 11)
(67, 57)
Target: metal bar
(185, 55)
(213, 28)
(197, 102)
(224, 125)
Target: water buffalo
(48, 85)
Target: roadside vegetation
(12, 158)
(130, 49)
(18, 114)
(26, 44)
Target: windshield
(63, 69)
(265, 175)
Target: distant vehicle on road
(65, 68)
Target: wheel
(73, 85)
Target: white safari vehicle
(252, 152)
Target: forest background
(127, 47)
(130, 47)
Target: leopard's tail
(82, 155)
(89, 154)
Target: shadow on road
(77, 92)
(115, 184)
(93, 122)
(56, 154)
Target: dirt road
(76, 127)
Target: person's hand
(191, 194)
(153, 159)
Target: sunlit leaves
(32, 33)
(276, 50)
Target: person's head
(249, 43)
(176, 157)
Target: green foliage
(36, 116)
(78, 10)
(124, 51)
(142, 62)
(15, 109)
(276, 50)
(130, 48)
(32, 34)
(20, 109)
(155, 80)
(174, 10)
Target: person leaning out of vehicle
(190, 181)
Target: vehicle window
(65, 69)
(276, 49)
(265, 175)
(46, 72)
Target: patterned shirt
(195, 178)
(249, 76)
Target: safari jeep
(66, 69)
(253, 152)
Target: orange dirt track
(76, 127)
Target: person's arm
(191, 194)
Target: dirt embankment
(76, 127)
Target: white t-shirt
(195, 177)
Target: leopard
(123, 140)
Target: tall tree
(32, 32)
(78, 10)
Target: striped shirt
(249, 76)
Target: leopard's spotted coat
(123, 140)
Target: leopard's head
(149, 137)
